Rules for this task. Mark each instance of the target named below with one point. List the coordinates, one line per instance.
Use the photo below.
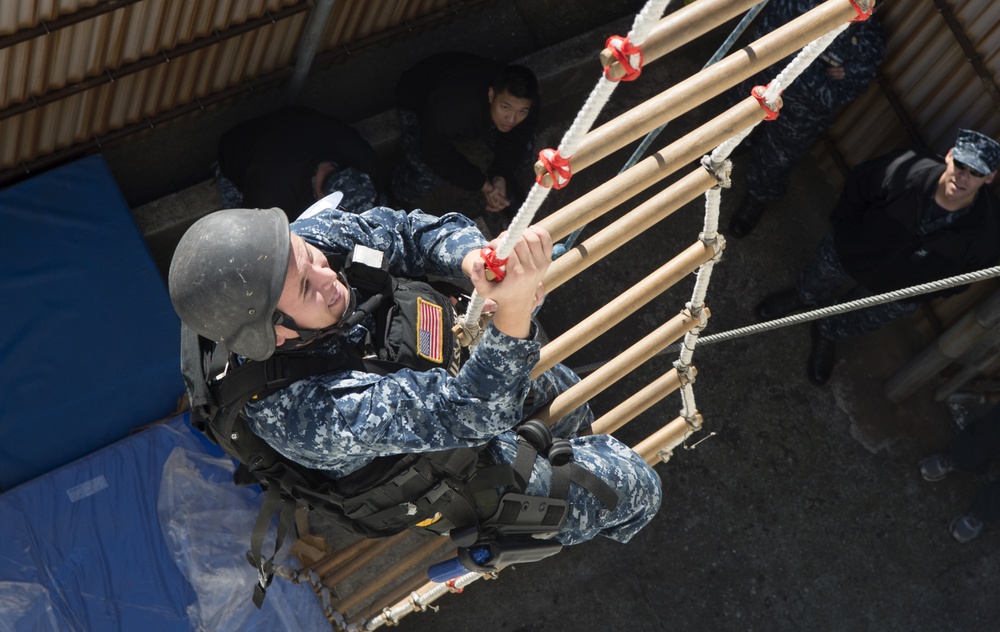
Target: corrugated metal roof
(937, 84)
(72, 71)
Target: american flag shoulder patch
(430, 331)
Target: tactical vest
(450, 491)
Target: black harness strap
(273, 502)
(524, 462)
(595, 485)
(535, 438)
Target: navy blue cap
(979, 151)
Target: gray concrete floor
(805, 511)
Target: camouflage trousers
(973, 450)
(415, 178)
(637, 484)
(231, 195)
(777, 147)
(357, 187)
(822, 282)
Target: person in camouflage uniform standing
(841, 74)
(342, 420)
(905, 218)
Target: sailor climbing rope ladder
(385, 600)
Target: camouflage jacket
(340, 421)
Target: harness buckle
(275, 370)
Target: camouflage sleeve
(859, 51)
(416, 244)
(339, 421)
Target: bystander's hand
(495, 193)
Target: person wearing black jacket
(291, 157)
(450, 98)
(905, 218)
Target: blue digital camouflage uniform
(341, 421)
(822, 282)
(810, 103)
(357, 187)
(414, 179)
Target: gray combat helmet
(226, 277)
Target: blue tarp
(104, 531)
(147, 534)
(88, 338)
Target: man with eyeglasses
(905, 218)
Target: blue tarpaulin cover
(148, 534)
(89, 341)
(103, 531)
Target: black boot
(821, 358)
(746, 216)
(778, 304)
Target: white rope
(585, 118)
(710, 235)
(806, 56)
(719, 166)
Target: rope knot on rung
(716, 241)
(390, 618)
(557, 168)
(719, 170)
(697, 311)
(686, 373)
(758, 93)
(623, 50)
(863, 14)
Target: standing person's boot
(936, 467)
(966, 527)
(821, 358)
(746, 216)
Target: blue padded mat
(88, 337)
(146, 534)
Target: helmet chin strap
(353, 315)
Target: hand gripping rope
(622, 49)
